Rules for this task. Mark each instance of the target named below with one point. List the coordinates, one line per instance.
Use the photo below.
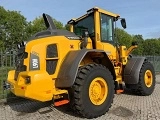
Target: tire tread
(78, 105)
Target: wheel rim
(98, 91)
(148, 78)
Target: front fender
(132, 70)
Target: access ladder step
(61, 102)
(119, 91)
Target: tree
(35, 26)
(38, 25)
(139, 39)
(12, 28)
(67, 27)
(3, 13)
(123, 37)
(151, 47)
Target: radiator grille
(51, 58)
(52, 51)
(51, 66)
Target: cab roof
(91, 11)
(104, 11)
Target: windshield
(86, 23)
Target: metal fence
(155, 60)
(7, 62)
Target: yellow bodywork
(42, 85)
(40, 88)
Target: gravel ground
(126, 106)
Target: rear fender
(69, 67)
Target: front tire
(146, 82)
(93, 91)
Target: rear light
(28, 80)
(22, 88)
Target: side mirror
(123, 23)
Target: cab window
(86, 23)
(106, 28)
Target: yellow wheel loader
(84, 67)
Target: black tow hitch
(6, 85)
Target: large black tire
(82, 94)
(146, 82)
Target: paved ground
(125, 107)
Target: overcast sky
(142, 16)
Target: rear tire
(93, 91)
(146, 82)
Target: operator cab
(99, 23)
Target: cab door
(107, 35)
